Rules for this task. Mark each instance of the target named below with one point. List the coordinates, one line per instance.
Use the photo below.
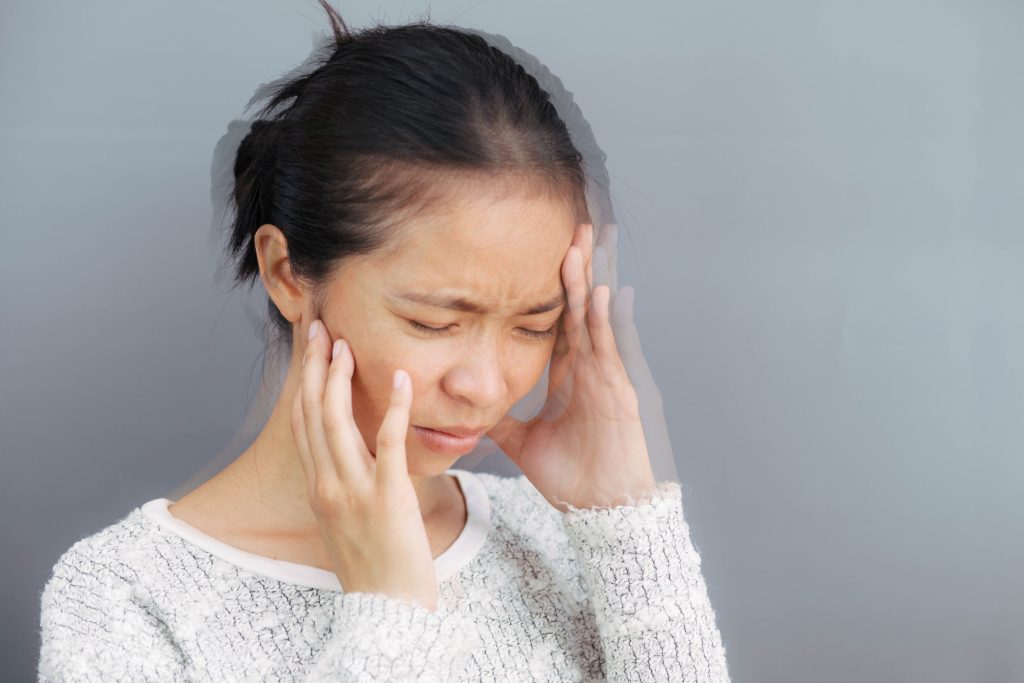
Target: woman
(416, 211)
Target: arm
(378, 637)
(654, 617)
(94, 629)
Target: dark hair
(390, 116)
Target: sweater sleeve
(651, 604)
(95, 627)
(92, 629)
(378, 637)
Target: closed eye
(440, 331)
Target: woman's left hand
(586, 447)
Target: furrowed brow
(461, 304)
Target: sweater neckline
(465, 547)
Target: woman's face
(502, 254)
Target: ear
(276, 272)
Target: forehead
(496, 248)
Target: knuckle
(327, 495)
(333, 422)
(322, 508)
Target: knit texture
(592, 594)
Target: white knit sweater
(526, 593)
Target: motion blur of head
(414, 165)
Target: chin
(423, 462)
(426, 463)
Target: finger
(298, 425)
(574, 324)
(314, 380)
(586, 244)
(628, 339)
(608, 239)
(583, 341)
(613, 258)
(391, 455)
(573, 336)
(600, 267)
(648, 395)
(626, 336)
(603, 338)
(559, 395)
(558, 369)
(347, 449)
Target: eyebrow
(460, 304)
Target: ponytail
(253, 193)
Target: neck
(269, 476)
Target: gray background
(821, 206)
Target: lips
(445, 443)
(461, 432)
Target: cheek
(427, 362)
(371, 384)
(529, 369)
(375, 369)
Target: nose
(477, 378)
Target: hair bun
(264, 134)
(256, 150)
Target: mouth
(460, 432)
(446, 442)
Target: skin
(376, 511)
(511, 252)
(585, 449)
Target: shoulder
(107, 560)
(98, 620)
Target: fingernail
(313, 329)
(336, 349)
(398, 380)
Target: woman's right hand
(366, 505)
